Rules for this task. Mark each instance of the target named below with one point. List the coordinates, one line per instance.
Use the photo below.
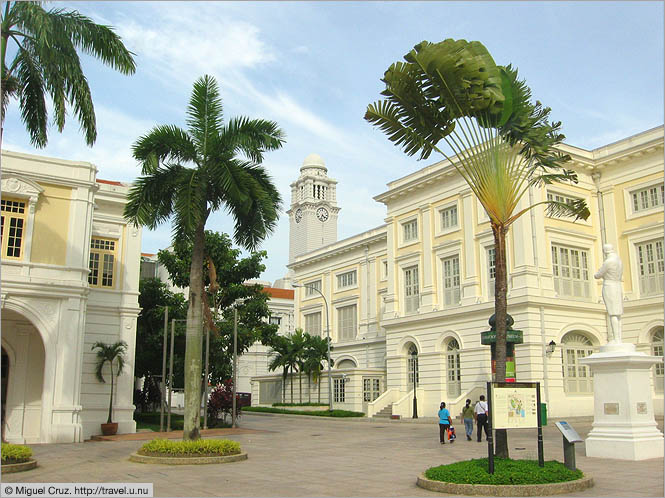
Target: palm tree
(280, 350)
(502, 145)
(110, 353)
(316, 353)
(189, 174)
(299, 342)
(46, 62)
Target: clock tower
(313, 211)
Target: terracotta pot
(110, 429)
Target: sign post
(570, 437)
(515, 405)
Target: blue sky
(314, 67)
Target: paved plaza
(307, 456)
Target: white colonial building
(70, 268)
(415, 293)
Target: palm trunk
(319, 383)
(111, 403)
(193, 346)
(500, 311)
(291, 384)
(309, 387)
(300, 383)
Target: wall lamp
(550, 347)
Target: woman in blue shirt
(444, 422)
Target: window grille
(454, 371)
(650, 260)
(570, 268)
(411, 289)
(577, 378)
(102, 263)
(647, 198)
(347, 322)
(312, 287)
(14, 219)
(371, 389)
(451, 281)
(449, 218)
(410, 230)
(339, 391)
(313, 323)
(346, 279)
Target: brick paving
(310, 456)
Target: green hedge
(318, 413)
(200, 447)
(300, 404)
(506, 471)
(15, 453)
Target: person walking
(467, 416)
(481, 411)
(444, 422)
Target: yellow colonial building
(414, 294)
(70, 266)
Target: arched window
(657, 350)
(412, 365)
(453, 371)
(345, 364)
(577, 378)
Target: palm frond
(204, 114)
(150, 200)
(163, 144)
(32, 97)
(252, 137)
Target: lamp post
(234, 418)
(330, 399)
(414, 356)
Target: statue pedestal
(624, 427)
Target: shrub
(15, 453)
(200, 447)
(506, 472)
(322, 413)
(220, 402)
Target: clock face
(322, 214)
(298, 215)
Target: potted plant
(110, 353)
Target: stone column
(624, 427)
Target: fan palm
(110, 353)
(502, 145)
(189, 174)
(46, 62)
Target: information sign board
(514, 405)
(568, 432)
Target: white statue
(611, 273)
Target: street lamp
(311, 287)
(234, 418)
(414, 359)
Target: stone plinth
(624, 427)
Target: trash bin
(543, 414)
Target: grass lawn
(322, 413)
(506, 471)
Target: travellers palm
(190, 173)
(502, 144)
(110, 353)
(46, 62)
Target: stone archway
(23, 352)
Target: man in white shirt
(481, 411)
